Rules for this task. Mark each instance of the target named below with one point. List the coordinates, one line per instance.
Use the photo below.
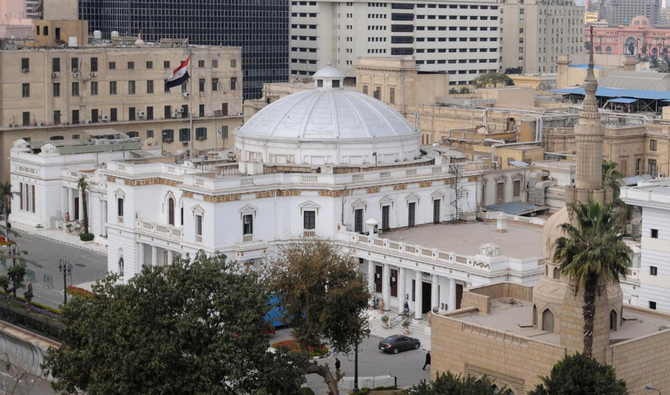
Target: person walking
(427, 361)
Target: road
(406, 366)
(86, 266)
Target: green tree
(82, 184)
(194, 327)
(323, 296)
(580, 375)
(493, 80)
(594, 254)
(6, 196)
(664, 65)
(451, 384)
(514, 70)
(612, 178)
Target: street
(406, 366)
(86, 266)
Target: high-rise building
(536, 32)
(459, 37)
(260, 28)
(621, 12)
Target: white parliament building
(328, 162)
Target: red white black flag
(179, 75)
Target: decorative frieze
(151, 181)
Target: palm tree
(593, 254)
(6, 195)
(612, 178)
(83, 186)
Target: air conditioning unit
(94, 74)
(68, 123)
(75, 70)
(168, 141)
(87, 122)
(185, 143)
(13, 125)
(186, 94)
(75, 75)
(661, 175)
(55, 74)
(25, 71)
(201, 139)
(141, 114)
(181, 110)
(105, 118)
(40, 123)
(175, 114)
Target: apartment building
(622, 12)
(55, 93)
(535, 32)
(460, 38)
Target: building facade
(536, 32)
(455, 37)
(51, 94)
(639, 37)
(260, 28)
(622, 12)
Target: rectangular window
(654, 233)
(113, 115)
(652, 145)
(94, 88)
(411, 214)
(55, 138)
(150, 113)
(392, 95)
(168, 135)
(652, 305)
(21, 193)
(55, 65)
(233, 84)
(166, 64)
(215, 63)
(386, 211)
(57, 117)
(413, 290)
(198, 225)
(131, 113)
(233, 63)
(248, 224)
(25, 90)
(150, 65)
(201, 110)
(201, 85)
(56, 88)
(215, 85)
(133, 134)
(652, 168)
(75, 89)
(26, 118)
(184, 134)
(150, 87)
(119, 207)
(94, 115)
(358, 220)
(111, 66)
(224, 132)
(131, 87)
(75, 117)
(168, 112)
(309, 220)
(25, 65)
(112, 87)
(653, 270)
(74, 62)
(201, 134)
(94, 65)
(224, 109)
(150, 134)
(131, 65)
(517, 188)
(365, 89)
(32, 198)
(436, 211)
(201, 63)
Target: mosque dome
(342, 125)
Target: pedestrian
(427, 361)
(406, 308)
(337, 364)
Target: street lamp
(66, 268)
(650, 387)
(14, 251)
(355, 389)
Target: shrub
(385, 319)
(294, 347)
(86, 236)
(78, 292)
(306, 391)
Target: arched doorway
(630, 47)
(548, 321)
(613, 320)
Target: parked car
(396, 343)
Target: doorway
(411, 215)
(378, 279)
(76, 209)
(426, 293)
(459, 295)
(358, 221)
(394, 282)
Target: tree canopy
(323, 296)
(451, 384)
(195, 327)
(493, 80)
(580, 375)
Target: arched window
(548, 321)
(613, 320)
(171, 211)
(557, 273)
(121, 267)
(534, 316)
(608, 49)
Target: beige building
(14, 19)
(535, 32)
(55, 93)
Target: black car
(394, 344)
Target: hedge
(86, 236)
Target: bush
(86, 236)
(294, 347)
(306, 391)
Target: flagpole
(190, 109)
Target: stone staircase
(417, 327)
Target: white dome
(328, 72)
(327, 113)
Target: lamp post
(650, 387)
(14, 251)
(355, 389)
(66, 268)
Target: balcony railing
(159, 229)
(309, 233)
(247, 238)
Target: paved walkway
(61, 236)
(418, 329)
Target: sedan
(396, 343)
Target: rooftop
(516, 316)
(519, 241)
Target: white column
(64, 203)
(386, 286)
(418, 302)
(81, 205)
(435, 296)
(170, 258)
(401, 289)
(70, 200)
(140, 253)
(154, 256)
(452, 294)
(371, 277)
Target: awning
(515, 208)
(622, 100)
(102, 132)
(518, 163)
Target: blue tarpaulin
(622, 101)
(626, 93)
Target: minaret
(589, 136)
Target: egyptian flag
(179, 75)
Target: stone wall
(510, 360)
(641, 361)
